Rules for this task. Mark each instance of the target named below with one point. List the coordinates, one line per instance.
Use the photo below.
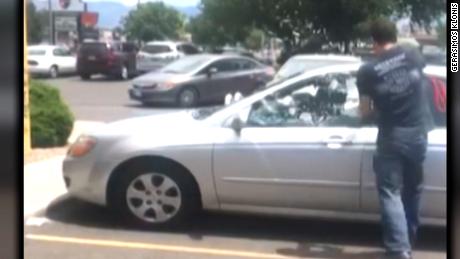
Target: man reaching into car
(391, 90)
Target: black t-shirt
(394, 82)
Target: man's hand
(366, 109)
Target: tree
(208, 34)
(284, 19)
(254, 40)
(35, 24)
(441, 31)
(295, 21)
(421, 12)
(153, 21)
(340, 22)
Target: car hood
(159, 77)
(149, 124)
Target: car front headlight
(82, 146)
(165, 85)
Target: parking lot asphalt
(74, 229)
(102, 99)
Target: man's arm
(366, 109)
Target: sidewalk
(42, 184)
(43, 181)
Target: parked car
(301, 63)
(200, 78)
(270, 153)
(434, 55)
(116, 59)
(157, 54)
(50, 60)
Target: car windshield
(281, 79)
(185, 65)
(155, 48)
(203, 113)
(36, 52)
(296, 66)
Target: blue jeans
(399, 175)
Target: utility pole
(50, 18)
(27, 138)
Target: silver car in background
(201, 78)
(156, 54)
(295, 149)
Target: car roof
(332, 57)
(430, 69)
(436, 70)
(45, 47)
(110, 42)
(166, 42)
(221, 56)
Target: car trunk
(95, 56)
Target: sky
(169, 2)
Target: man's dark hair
(383, 31)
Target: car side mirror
(236, 124)
(212, 71)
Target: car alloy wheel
(153, 197)
(188, 97)
(54, 72)
(154, 194)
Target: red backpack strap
(439, 96)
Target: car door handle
(336, 139)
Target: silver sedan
(295, 149)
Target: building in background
(88, 26)
(106, 34)
(71, 23)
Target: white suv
(156, 54)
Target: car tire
(85, 76)
(147, 103)
(53, 72)
(157, 206)
(188, 97)
(124, 73)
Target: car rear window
(187, 49)
(91, 48)
(155, 49)
(37, 52)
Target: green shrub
(50, 118)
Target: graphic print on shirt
(396, 78)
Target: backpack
(436, 100)
(439, 94)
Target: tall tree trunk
(346, 44)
